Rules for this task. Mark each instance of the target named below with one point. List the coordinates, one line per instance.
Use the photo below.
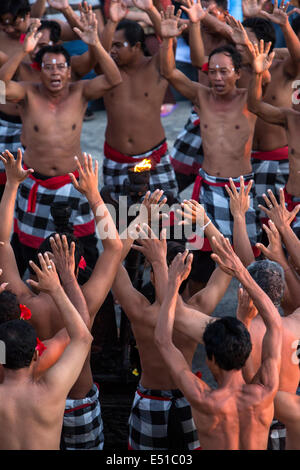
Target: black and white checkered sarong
(33, 221)
(82, 424)
(161, 420)
(161, 177)
(187, 152)
(271, 171)
(10, 139)
(212, 194)
(277, 436)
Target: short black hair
(270, 278)
(173, 248)
(55, 49)
(15, 7)
(20, 340)
(222, 4)
(230, 51)
(228, 341)
(9, 307)
(202, 267)
(262, 28)
(133, 33)
(54, 28)
(296, 24)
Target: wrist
(66, 10)
(94, 198)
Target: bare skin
(227, 126)
(279, 91)
(54, 108)
(223, 415)
(284, 118)
(191, 320)
(33, 412)
(45, 317)
(135, 104)
(287, 409)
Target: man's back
(30, 416)
(235, 417)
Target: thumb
(295, 211)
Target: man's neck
(18, 376)
(136, 63)
(229, 378)
(55, 96)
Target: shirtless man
(227, 128)
(38, 425)
(52, 112)
(236, 415)
(157, 390)
(134, 130)
(284, 118)
(270, 156)
(83, 428)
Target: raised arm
(15, 175)
(97, 287)
(65, 265)
(196, 14)
(170, 30)
(152, 12)
(283, 218)
(239, 205)
(38, 8)
(186, 381)
(11, 65)
(274, 252)
(261, 62)
(63, 374)
(280, 17)
(268, 374)
(95, 88)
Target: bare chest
(279, 91)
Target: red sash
(119, 157)
(277, 154)
(54, 182)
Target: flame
(145, 165)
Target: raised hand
(117, 10)
(63, 255)
(279, 15)
(278, 213)
(262, 60)
(58, 4)
(151, 207)
(274, 251)
(239, 34)
(226, 258)
(48, 280)
(32, 37)
(169, 23)
(192, 213)
(88, 176)
(180, 268)
(89, 24)
(4, 285)
(194, 10)
(246, 310)
(15, 173)
(153, 248)
(252, 7)
(239, 200)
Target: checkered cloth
(277, 436)
(187, 152)
(33, 221)
(211, 193)
(291, 203)
(271, 171)
(10, 139)
(162, 176)
(82, 424)
(161, 420)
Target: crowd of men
(241, 150)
